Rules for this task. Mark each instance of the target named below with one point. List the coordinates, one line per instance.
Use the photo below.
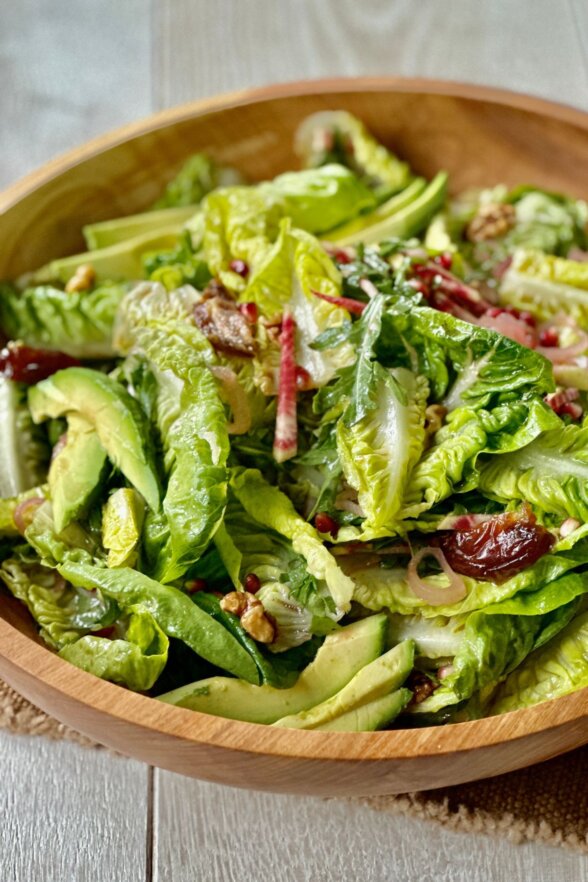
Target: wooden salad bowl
(481, 136)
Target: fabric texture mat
(546, 803)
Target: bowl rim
(32, 663)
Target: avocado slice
(119, 422)
(76, 473)
(369, 717)
(106, 233)
(404, 223)
(388, 208)
(372, 682)
(342, 655)
(122, 522)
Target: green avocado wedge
(343, 654)
(76, 472)
(119, 422)
(376, 680)
(371, 716)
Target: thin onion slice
(562, 355)
(25, 511)
(235, 396)
(453, 593)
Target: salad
(310, 452)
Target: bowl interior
(481, 137)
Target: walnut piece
(226, 327)
(253, 617)
(82, 280)
(491, 221)
(434, 416)
(235, 602)
(257, 623)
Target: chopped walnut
(257, 623)
(235, 602)
(82, 280)
(253, 617)
(224, 324)
(491, 221)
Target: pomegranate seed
(341, 256)
(549, 337)
(511, 310)
(495, 311)
(445, 260)
(194, 585)
(252, 583)
(528, 318)
(326, 524)
(105, 632)
(239, 267)
(249, 311)
(303, 379)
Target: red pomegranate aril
(194, 585)
(495, 311)
(303, 379)
(26, 365)
(239, 267)
(549, 337)
(499, 548)
(445, 259)
(528, 318)
(512, 310)
(107, 632)
(341, 256)
(252, 583)
(249, 311)
(326, 524)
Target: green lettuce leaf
(272, 508)
(551, 473)
(63, 612)
(135, 661)
(173, 611)
(547, 286)
(79, 323)
(558, 668)
(378, 452)
(199, 175)
(338, 136)
(24, 452)
(497, 639)
(382, 587)
(193, 428)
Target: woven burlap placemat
(546, 803)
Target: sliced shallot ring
(453, 593)
(368, 287)
(236, 398)
(561, 355)
(24, 512)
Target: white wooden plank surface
(71, 70)
(209, 833)
(532, 46)
(69, 814)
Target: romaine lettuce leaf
(378, 452)
(135, 661)
(497, 639)
(173, 611)
(336, 135)
(272, 508)
(79, 323)
(556, 669)
(63, 613)
(378, 588)
(199, 175)
(24, 452)
(547, 286)
(551, 473)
